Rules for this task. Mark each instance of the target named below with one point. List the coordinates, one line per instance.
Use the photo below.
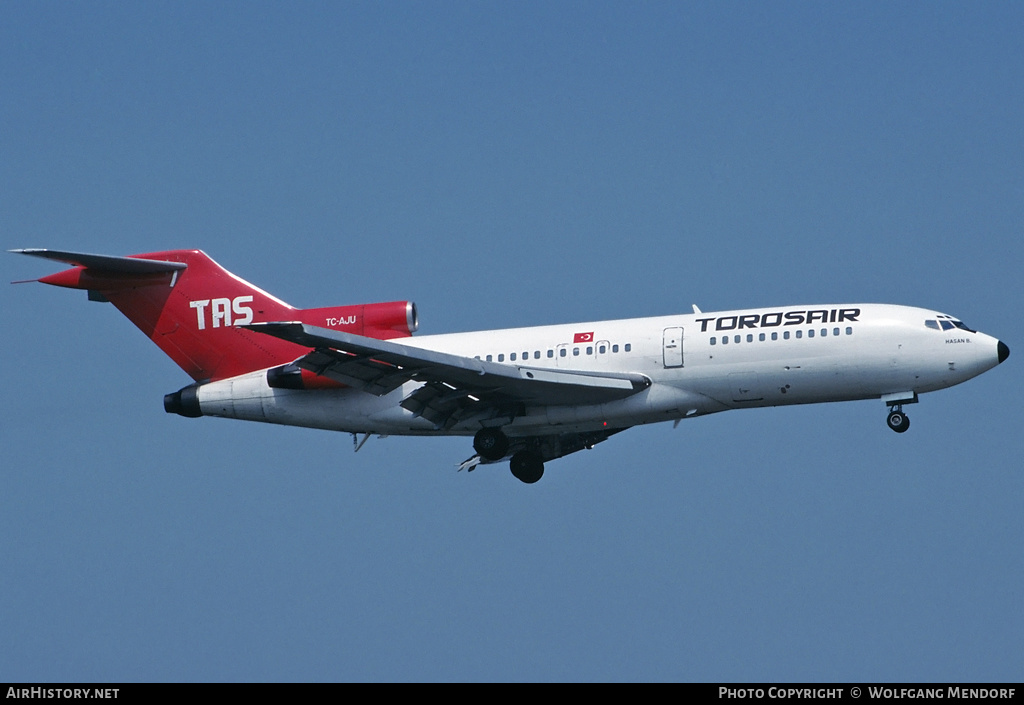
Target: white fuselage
(697, 363)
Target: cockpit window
(948, 323)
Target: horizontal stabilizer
(106, 263)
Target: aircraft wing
(455, 388)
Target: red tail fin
(191, 308)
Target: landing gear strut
(897, 420)
(527, 466)
(490, 443)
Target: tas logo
(221, 311)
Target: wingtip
(37, 251)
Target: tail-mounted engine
(395, 319)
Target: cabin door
(672, 347)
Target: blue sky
(506, 165)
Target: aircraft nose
(1004, 351)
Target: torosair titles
(780, 318)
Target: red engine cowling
(395, 319)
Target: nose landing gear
(898, 421)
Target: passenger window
(628, 347)
(489, 358)
(750, 337)
(590, 350)
(512, 357)
(735, 339)
(799, 334)
(601, 349)
(551, 353)
(526, 355)
(713, 340)
(725, 340)
(810, 333)
(775, 336)
(849, 330)
(835, 331)
(785, 335)
(575, 352)
(615, 348)
(536, 354)
(561, 352)
(761, 337)
(501, 357)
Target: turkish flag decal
(583, 338)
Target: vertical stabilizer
(194, 310)
(186, 303)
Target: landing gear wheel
(490, 443)
(898, 421)
(527, 466)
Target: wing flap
(357, 371)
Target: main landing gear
(527, 466)
(897, 420)
(492, 444)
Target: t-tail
(193, 309)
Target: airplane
(529, 395)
